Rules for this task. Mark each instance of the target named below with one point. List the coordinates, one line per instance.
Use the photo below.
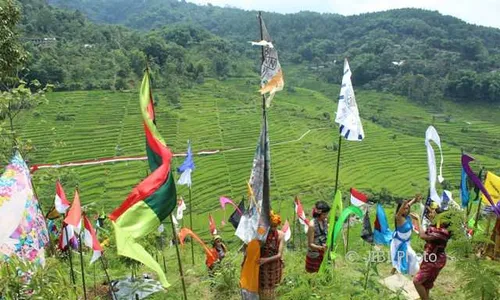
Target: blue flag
(464, 190)
(186, 168)
(382, 234)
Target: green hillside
(226, 116)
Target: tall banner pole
(68, 244)
(338, 164)
(266, 183)
(105, 269)
(178, 256)
(330, 247)
(191, 223)
(294, 224)
(82, 268)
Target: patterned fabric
(314, 258)
(435, 257)
(23, 231)
(270, 274)
(313, 261)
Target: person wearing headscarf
(403, 257)
(317, 236)
(271, 259)
(436, 237)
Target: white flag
(181, 207)
(347, 110)
(286, 230)
(432, 135)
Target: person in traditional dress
(271, 259)
(403, 257)
(317, 236)
(434, 260)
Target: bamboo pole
(178, 257)
(191, 223)
(82, 268)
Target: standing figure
(403, 257)
(317, 236)
(271, 259)
(434, 260)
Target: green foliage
(13, 102)
(12, 54)
(480, 279)
(26, 281)
(416, 53)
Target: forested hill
(420, 54)
(73, 53)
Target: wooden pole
(191, 224)
(294, 223)
(477, 214)
(105, 268)
(68, 244)
(266, 183)
(178, 257)
(330, 247)
(82, 268)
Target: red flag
(90, 239)
(60, 202)
(211, 223)
(74, 216)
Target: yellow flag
(492, 185)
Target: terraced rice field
(226, 116)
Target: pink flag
(224, 201)
(74, 217)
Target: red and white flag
(211, 223)
(74, 217)
(357, 198)
(286, 230)
(90, 239)
(301, 215)
(64, 241)
(61, 203)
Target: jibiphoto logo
(385, 257)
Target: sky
(479, 12)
